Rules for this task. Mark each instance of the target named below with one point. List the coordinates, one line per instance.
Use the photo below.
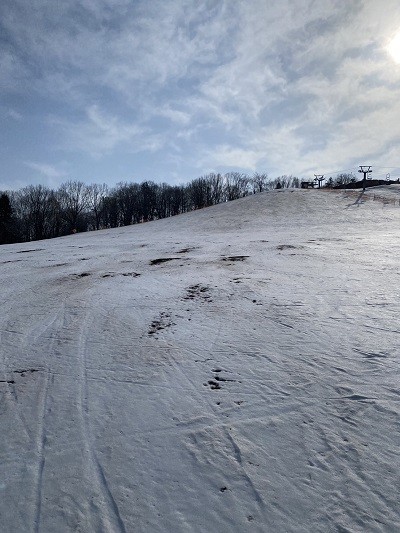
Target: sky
(105, 91)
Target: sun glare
(394, 47)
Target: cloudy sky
(169, 90)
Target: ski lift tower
(319, 178)
(365, 169)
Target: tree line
(38, 212)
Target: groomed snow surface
(228, 370)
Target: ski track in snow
(232, 369)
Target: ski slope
(228, 370)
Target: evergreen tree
(6, 220)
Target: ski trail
(42, 427)
(238, 457)
(40, 450)
(112, 504)
(109, 515)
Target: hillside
(231, 369)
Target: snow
(249, 383)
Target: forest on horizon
(38, 212)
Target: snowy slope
(249, 383)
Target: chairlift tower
(319, 178)
(365, 169)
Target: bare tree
(217, 188)
(284, 182)
(148, 200)
(110, 212)
(95, 197)
(178, 200)
(200, 194)
(259, 182)
(236, 185)
(74, 201)
(128, 203)
(344, 179)
(36, 209)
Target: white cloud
(99, 133)
(45, 173)
(12, 113)
(45, 169)
(175, 115)
(290, 85)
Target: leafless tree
(344, 179)
(236, 185)
(95, 196)
(74, 201)
(259, 182)
(36, 209)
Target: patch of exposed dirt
(198, 292)
(162, 260)
(21, 372)
(125, 274)
(33, 250)
(163, 321)
(287, 247)
(215, 383)
(235, 258)
(24, 371)
(81, 275)
(186, 250)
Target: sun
(394, 47)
